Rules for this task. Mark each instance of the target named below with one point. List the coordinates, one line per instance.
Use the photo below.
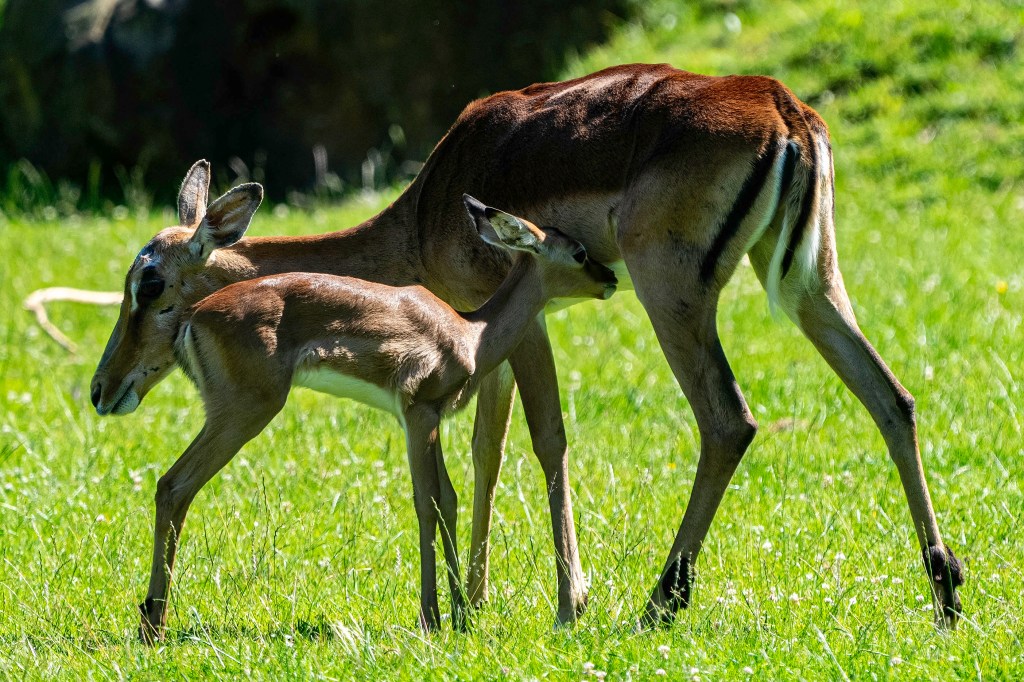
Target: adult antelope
(670, 176)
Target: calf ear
(227, 219)
(194, 194)
(502, 229)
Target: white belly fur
(345, 386)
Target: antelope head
(168, 276)
(567, 272)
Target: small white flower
(767, 545)
(853, 600)
(748, 670)
(600, 674)
(663, 650)
(795, 598)
(289, 641)
(895, 660)
(897, 581)
(660, 671)
(588, 668)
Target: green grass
(300, 559)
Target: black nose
(96, 395)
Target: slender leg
(220, 439)
(822, 310)
(827, 319)
(421, 436)
(448, 506)
(534, 368)
(682, 310)
(493, 414)
(726, 428)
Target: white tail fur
(804, 265)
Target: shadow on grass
(318, 631)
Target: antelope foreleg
(493, 414)
(534, 368)
(216, 444)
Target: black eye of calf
(150, 289)
(580, 255)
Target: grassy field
(300, 559)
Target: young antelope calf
(399, 349)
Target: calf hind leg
(448, 507)
(421, 436)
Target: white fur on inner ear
(227, 219)
(513, 232)
(194, 194)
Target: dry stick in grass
(36, 301)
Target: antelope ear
(502, 229)
(227, 219)
(194, 194)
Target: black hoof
(675, 586)
(946, 573)
(149, 633)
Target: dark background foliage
(293, 93)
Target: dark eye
(580, 254)
(150, 289)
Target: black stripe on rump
(806, 208)
(788, 168)
(728, 228)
